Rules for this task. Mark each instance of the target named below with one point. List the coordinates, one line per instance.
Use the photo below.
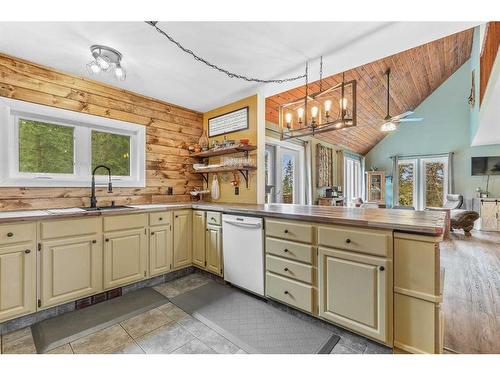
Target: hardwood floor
(472, 292)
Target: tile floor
(166, 329)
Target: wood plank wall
(488, 55)
(168, 126)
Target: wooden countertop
(422, 222)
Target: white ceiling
(156, 68)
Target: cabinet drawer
(124, 222)
(376, 242)
(70, 227)
(214, 218)
(290, 250)
(289, 230)
(290, 292)
(13, 233)
(289, 268)
(160, 218)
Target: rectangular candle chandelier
(323, 111)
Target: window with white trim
(48, 147)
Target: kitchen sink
(106, 208)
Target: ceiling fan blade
(412, 119)
(402, 115)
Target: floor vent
(97, 298)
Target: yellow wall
(227, 190)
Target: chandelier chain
(321, 74)
(222, 70)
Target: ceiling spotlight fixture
(106, 59)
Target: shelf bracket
(244, 173)
(205, 177)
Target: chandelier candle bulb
(328, 107)
(343, 103)
(288, 120)
(300, 114)
(314, 113)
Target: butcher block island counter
(375, 272)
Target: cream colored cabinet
(214, 249)
(17, 274)
(199, 230)
(70, 268)
(125, 249)
(161, 242)
(125, 254)
(418, 294)
(160, 250)
(182, 238)
(70, 264)
(355, 292)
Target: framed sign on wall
(228, 122)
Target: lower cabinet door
(182, 238)
(214, 249)
(124, 257)
(160, 250)
(70, 268)
(17, 280)
(199, 258)
(354, 291)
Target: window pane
(406, 182)
(45, 148)
(434, 184)
(287, 165)
(111, 150)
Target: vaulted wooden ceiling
(415, 74)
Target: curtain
(395, 182)
(339, 181)
(451, 185)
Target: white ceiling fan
(391, 122)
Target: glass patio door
(407, 184)
(422, 182)
(434, 180)
(288, 171)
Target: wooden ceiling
(415, 74)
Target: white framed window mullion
(83, 154)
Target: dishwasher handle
(242, 224)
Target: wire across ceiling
(218, 68)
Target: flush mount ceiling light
(106, 59)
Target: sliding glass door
(434, 176)
(407, 184)
(289, 164)
(422, 182)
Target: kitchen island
(373, 271)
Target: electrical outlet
(236, 190)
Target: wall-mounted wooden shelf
(224, 151)
(243, 170)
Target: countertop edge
(435, 230)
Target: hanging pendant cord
(388, 88)
(213, 66)
(321, 74)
